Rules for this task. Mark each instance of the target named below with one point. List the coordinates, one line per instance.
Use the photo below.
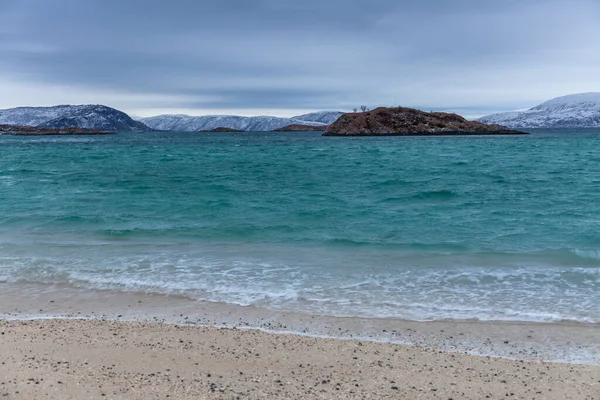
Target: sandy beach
(95, 359)
(60, 342)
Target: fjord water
(491, 228)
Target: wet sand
(95, 359)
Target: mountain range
(104, 118)
(573, 111)
(186, 123)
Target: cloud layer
(282, 57)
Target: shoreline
(557, 342)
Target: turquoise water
(504, 228)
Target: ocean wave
(587, 254)
(390, 183)
(439, 248)
(413, 289)
(443, 194)
(460, 163)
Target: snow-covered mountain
(573, 111)
(324, 117)
(106, 118)
(67, 116)
(186, 123)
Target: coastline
(61, 342)
(556, 342)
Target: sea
(478, 228)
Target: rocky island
(301, 128)
(36, 131)
(403, 121)
(223, 129)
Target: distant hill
(403, 121)
(96, 117)
(186, 123)
(573, 111)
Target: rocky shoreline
(35, 131)
(301, 128)
(224, 130)
(410, 122)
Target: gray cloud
(275, 54)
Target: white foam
(591, 254)
(519, 293)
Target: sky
(280, 57)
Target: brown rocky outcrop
(410, 122)
(32, 131)
(301, 128)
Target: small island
(403, 121)
(35, 131)
(301, 128)
(224, 129)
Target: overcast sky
(280, 57)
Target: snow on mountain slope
(186, 123)
(573, 111)
(67, 116)
(33, 116)
(324, 117)
(97, 117)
